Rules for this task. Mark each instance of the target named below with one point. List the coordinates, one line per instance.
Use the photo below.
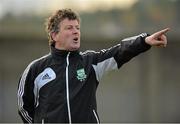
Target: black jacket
(61, 86)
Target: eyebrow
(73, 25)
(77, 26)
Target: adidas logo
(46, 76)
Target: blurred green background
(144, 90)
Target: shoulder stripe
(88, 51)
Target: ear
(54, 36)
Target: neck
(65, 49)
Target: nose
(75, 30)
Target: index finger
(162, 32)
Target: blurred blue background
(144, 90)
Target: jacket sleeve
(26, 96)
(116, 56)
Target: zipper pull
(67, 58)
(43, 121)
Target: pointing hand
(158, 38)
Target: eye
(69, 28)
(78, 28)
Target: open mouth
(75, 39)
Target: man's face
(68, 37)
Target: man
(61, 86)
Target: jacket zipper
(42, 121)
(96, 116)
(67, 88)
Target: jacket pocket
(95, 115)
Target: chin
(74, 48)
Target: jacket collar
(61, 53)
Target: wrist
(147, 40)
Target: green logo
(81, 75)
